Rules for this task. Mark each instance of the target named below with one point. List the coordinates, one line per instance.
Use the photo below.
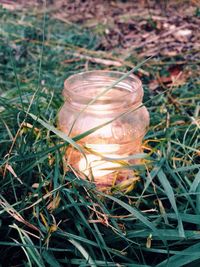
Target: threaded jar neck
(80, 89)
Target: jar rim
(81, 87)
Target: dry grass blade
(9, 209)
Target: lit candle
(95, 164)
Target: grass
(50, 218)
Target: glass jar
(109, 148)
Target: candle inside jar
(95, 164)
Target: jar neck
(94, 90)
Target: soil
(142, 28)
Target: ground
(52, 218)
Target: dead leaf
(149, 240)
(153, 85)
(54, 204)
(183, 35)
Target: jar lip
(75, 86)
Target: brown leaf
(153, 85)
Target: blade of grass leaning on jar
(120, 159)
(133, 156)
(59, 133)
(107, 89)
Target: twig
(102, 61)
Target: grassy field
(50, 218)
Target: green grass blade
(32, 252)
(136, 214)
(170, 194)
(83, 252)
(195, 183)
(186, 256)
(50, 259)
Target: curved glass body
(123, 119)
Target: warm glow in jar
(107, 148)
